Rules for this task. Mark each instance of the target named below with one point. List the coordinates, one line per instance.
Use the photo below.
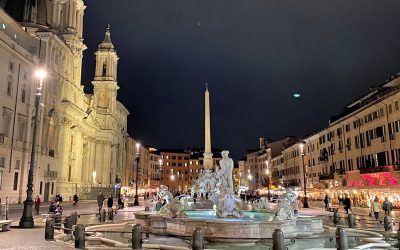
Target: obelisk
(208, 161)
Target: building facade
(81, 137)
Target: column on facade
(70, 12)
(74, 15)
(107, 162)
(99, 155)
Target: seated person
(52, 207)
(59, 208)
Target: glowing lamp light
(40, 73)
(172, 177)
(249, 177)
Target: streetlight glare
(40, 73)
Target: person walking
(110, 202)
(38, 202)
(76, 199)
(376, 207)
(387, 206)
(326, 201)
(347, 204)
(100, 201)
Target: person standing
(347, 203)
(110, 203)
(326, 201)
(76, 199)
(387, 206)
(38, 202)
(376, 206)
(100, 201)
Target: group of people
(110, 203)
(387, 207)
(55, 205)
(376, 206)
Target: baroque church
(81, 138)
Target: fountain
(226, 222)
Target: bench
(5, 225)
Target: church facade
(81, 137)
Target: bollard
(49, 230)
(74, 218)
(103, 215)
(351, 221)
(387, 223)
(198, 240)
(335, 216)
(67, 225)
(278, 240)
(137, 237)
(57, 220)
(79, 236)
(398, 238)
(341, 239)
(110, 214)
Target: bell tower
(105, 78)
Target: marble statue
(286, 204)
(262, 205)
(224, 173)
(227, 202)
(163, 193)
(174, 209)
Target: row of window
(10, 88)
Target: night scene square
(183, 124)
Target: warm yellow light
(250, 177)
(40, 73)
(160, 161)
(172, 177)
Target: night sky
(253, 54)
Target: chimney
(262, 142)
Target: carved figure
(163, 193)
(285, 205)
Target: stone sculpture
(163, 193)
(285, 205)
(262, 205)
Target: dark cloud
(253, 54)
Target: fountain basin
(253, 226)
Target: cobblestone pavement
(18, 238)
(34, 238)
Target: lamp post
(160, 161)
(137, 159)
(27, 219)
(240, 177)
(305, 203)
(172, 178)
(268, 180)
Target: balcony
(49, 174)
(376, 169)
(326, 177)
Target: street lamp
(268, 180)
(240, 177)
(160, 161)
(137, 159)
(305, 203)
(27, 219)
